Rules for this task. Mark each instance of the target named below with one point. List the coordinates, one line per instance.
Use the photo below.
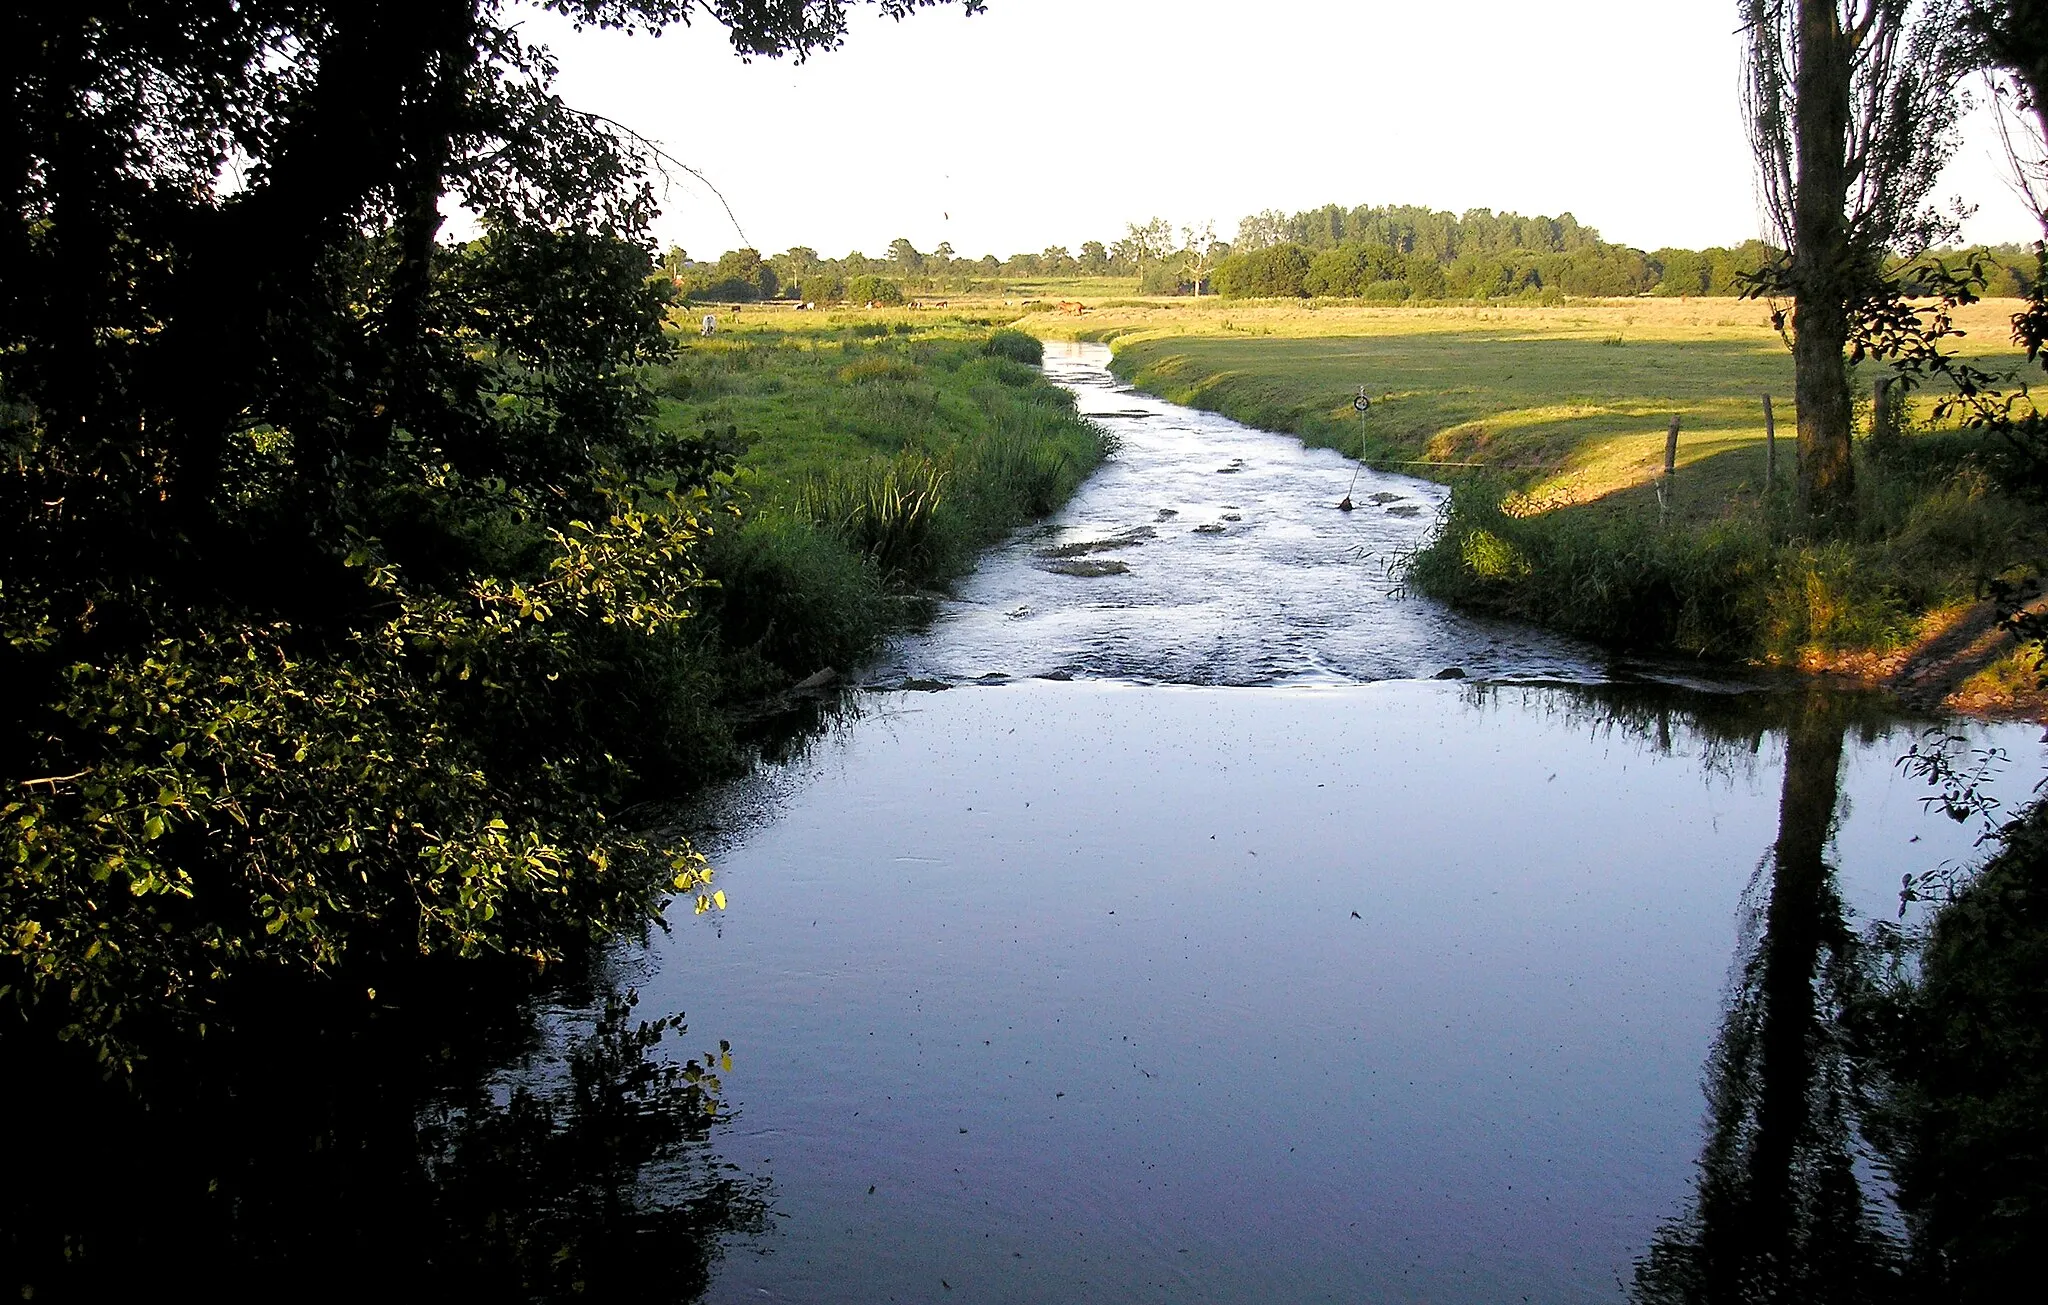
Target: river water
(1174, 933)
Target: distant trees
(1275, 272)
(1851, 110)
(905, 256)
(739, 276)
(1144, 243)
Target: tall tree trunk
(1822, 261)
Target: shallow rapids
(1207, 552)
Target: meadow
(1551, 424)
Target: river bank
(1550, 425)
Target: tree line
(1383, 254)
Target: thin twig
(54, 780)
(655, 147)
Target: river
(1186, 914)
(1175, 933)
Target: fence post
(1671, 448)
(1770, 446)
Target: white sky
(1057, 121)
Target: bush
(1385, 292)
(822, 288)
(874, 290)
(1278, 272)
(1017, 346)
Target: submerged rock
(1168, 514)
(1232, 516)
(1121, 539)
(915, 685)
(1087, 567)
(1210, 528)
(1405, 510)
(1451, 673)
(1384, 497)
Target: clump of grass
(790, 599)
(888, 514)
(1616, 578)
(1017, 346)
(879, 367)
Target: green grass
(877, 454)
(1550, 423)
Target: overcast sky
(1057, 121)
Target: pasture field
(1570, 403)
(1550, 422)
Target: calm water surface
(1241, 959)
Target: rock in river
(1088, 566)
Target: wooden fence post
(1770, 446)
(1880, 412)
(1671, 448)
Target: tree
(1851, 109)
(344, 580)
(1199, 252)
(1094, 258)
(1145, 243)
(905, 256)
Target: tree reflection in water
(460, 1147)
(1845, 1056)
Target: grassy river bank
(1550, 424)
(874, 456)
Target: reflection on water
(1878, 1100)
(457, 1147)
(1098, 991)
(1779, 1212)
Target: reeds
(887, 513)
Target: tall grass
(888, 513)
(1932, 529)
(877, 459)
